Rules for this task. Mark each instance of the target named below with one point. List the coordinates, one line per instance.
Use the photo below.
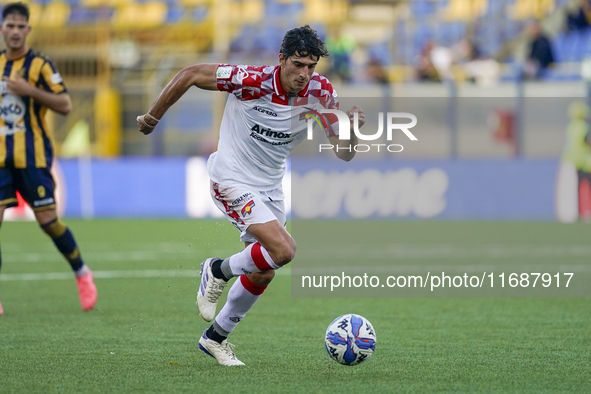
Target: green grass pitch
(142, 336)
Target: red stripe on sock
(258, 258)
(251, 287)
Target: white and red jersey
(262, 123)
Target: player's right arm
(201, 75)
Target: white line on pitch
(114, 275)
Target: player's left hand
(17, 85)
(146, 123)
(350, 114)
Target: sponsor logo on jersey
(56, 78)
(12, 109)
(43, 202)
(314, 115)
(224, 72)
(265, 111)
(274, 143)
(269, 133)
(241, 198)
(247, 210)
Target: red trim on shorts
(251, 287)
(229, 211)
(258, 258)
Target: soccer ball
(350, 339)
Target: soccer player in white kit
(264, 119)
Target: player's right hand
(146, 124)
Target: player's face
(15, 29)
(296, 72)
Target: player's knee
(261, 278)
(285, 253)
(266, 277)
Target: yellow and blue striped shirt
(25, 140)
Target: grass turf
(142, 336)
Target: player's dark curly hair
(15, 8)
(304, 41)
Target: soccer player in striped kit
(30, 86)
(264, 119)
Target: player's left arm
(59, 102)
(201, 75)
(344, 149)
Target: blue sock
(64, 241)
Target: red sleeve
(243, 81)
(329, 100)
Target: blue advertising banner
(488, 189)
(320, 187)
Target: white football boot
(209, 291)
(220, 351)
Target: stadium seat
(422, 8)
(450, 33)
(55, 15)
(175, 14)
(80, 15)
(199, 13)
(250, 11)
(36, 12)
(381, 52)
(525, 9)
(140, 15)
(464, 10)
(316, 11)
(586, 47)
(194, 3)
(105, 3)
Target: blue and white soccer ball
(350, 339)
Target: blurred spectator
(376, 71)
(425, 69)
(340, 46)
(477, 67)
(442, 59)
(540, 55)
(579, 19)
(577, 150)
(465, 51)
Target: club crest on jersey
(242, 74)
(247, 210)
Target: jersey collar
(279, 89)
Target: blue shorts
(36, 185)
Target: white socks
(242, 296)
(254, 258)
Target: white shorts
(243, 207)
